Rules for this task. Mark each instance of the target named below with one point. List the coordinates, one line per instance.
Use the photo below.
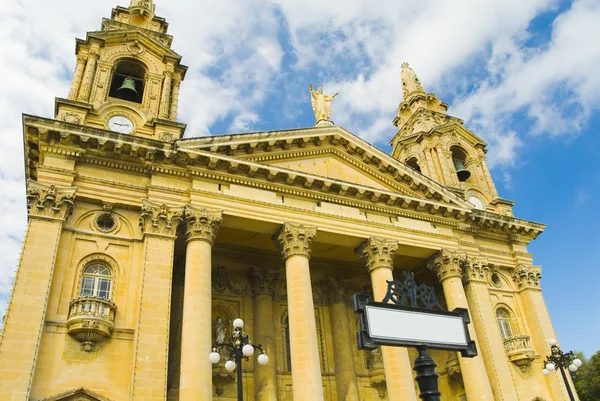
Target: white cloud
(474, 50)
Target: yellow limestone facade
(140, 242)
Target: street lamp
(239, 347)
(563, 361)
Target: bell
(462, 173)
(127, 91)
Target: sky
(523, 75)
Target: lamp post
(239, 347)
(562, 360)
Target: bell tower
(127, 77)
(440, 147)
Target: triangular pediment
(80, 394)
(331, 153)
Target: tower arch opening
(413, 163)
(459, 157)
(128, 81)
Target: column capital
(160, 219)
(295, 239)
(476, 270)
(202, 224)
(336, 290)
(49, 201)
(263, 281)
(377, 253)
(447, 264)
(527, 276)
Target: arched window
(503, 318)
(128, 81)
(412, 163)
(96, 281)
(459, 156)
(288, 351)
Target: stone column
(159, 225)
(77, 76)
(165, 99)
(345, 374)
(449, 268)
(48, 207)
(195, 380)
(378, 255)
(483, 319)
(175, 97)
(265, 377)
(88, 76)
(295, 243)
(527, 279)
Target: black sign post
(410, 320)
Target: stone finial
(476, 270)
(49, 201)
(294, 239)
(336, 290)
(202, 224)
(447, 264)
(160, 219)
(142, 6)
(410, 82)
(377, 252)
(527, 276)
(263, 281)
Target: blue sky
(521, 74)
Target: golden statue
(321, 104)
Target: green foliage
(587, 381)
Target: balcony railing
(90, 320)
(519, 350)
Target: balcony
(519, 350)
(90, 320)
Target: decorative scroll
(408, 293)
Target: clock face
(120, 124)
(476, 202)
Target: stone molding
(377, 253)
(160, 219)
(263, 281)
(336, 290)
(476, 270)
(202, 224)
(295, 239)
(49, 201)
(447, 264)
(527, 276)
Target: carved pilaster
(377, 252)
(166, 93)
(527, 276)
(447, 264)
(336, 290)
(476, 270)
(77, 77)
(202, 224)
(263, 281)
(88, 76)
(175, 97)
(49, 201)
(295, 239)
(160, 219)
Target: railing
(517, 343)
(90, 320)
(519, 350)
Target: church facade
(142, 247)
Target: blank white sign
(394, 324)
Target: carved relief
(527, 277)
(160, 219)
(294, 239)
(222, 282)
(167, 137)
(134, 48)
(71, 117)
(377, 252)
(447, 264)
(49, 201)
(202, 224)
(263, 281)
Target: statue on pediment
(321, 105)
